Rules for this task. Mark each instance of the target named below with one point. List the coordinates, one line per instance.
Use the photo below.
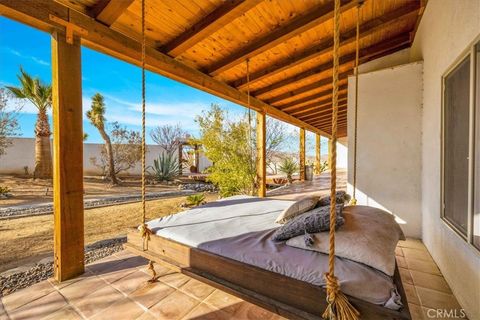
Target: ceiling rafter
(327, 114)
(345, 61)
(309, 87)
(311, 100)
(316, 107)
(108, 11)
(299, 25)
(214, 21)
(341, 99)
(326, 46)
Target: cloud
(23, 56)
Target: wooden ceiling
(288, 44)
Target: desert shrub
(4, 190)
(195, 199)
(228, 145)
(165, 168)
(289, 166)
(322, 168)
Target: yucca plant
(165, 168)
(195, 199)
(289, 167)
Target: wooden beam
(326, 114)
(105, 40)
(327, 122)
(108, 11)
(68, 158)
(309, 87)
(318, 154)
(214, 21)
(261, 154)
(328, 80)
(348, 37)
(312, 19)
(302, 155)
(317, 105)
(299, 103)
(315, 108)
(345, 61)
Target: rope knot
(333, 287)
(338, 307)
(145, 232)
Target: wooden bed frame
(286, 296)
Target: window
(461, 156)
(476, 183)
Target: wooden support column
(261, 154)
(317, 153)
(330, 154)
(68, 158)
(302, 154)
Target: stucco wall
(389, 142)
(22, 153)
(446, 29)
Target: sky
(168, 101)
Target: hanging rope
(144, 230)
(355, 124)
(338, 306)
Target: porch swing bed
(227, 244)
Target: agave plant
(165, 168)
(195, 199)
(288, 166)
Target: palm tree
(40, 95)
(96, 115)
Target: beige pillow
(369, 236)
(297, 208)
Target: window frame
(470, 52)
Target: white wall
(22, 153)
(389, 142)
(446, 29)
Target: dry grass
(26, 239)
(28, 191)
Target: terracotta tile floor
(116, 288)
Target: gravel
(42, 270)
(39, 209)
(199, 187)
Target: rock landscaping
(88, 204)
(199, 187)
(13, 280)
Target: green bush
(165, 168)
(227, 143)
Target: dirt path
(27, 239)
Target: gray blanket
(241, 227)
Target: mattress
(240, 228)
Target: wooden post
(330, 154)
(196, 155)
(317, 153)
(302, 154)
(68, 158)
(261, 154)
